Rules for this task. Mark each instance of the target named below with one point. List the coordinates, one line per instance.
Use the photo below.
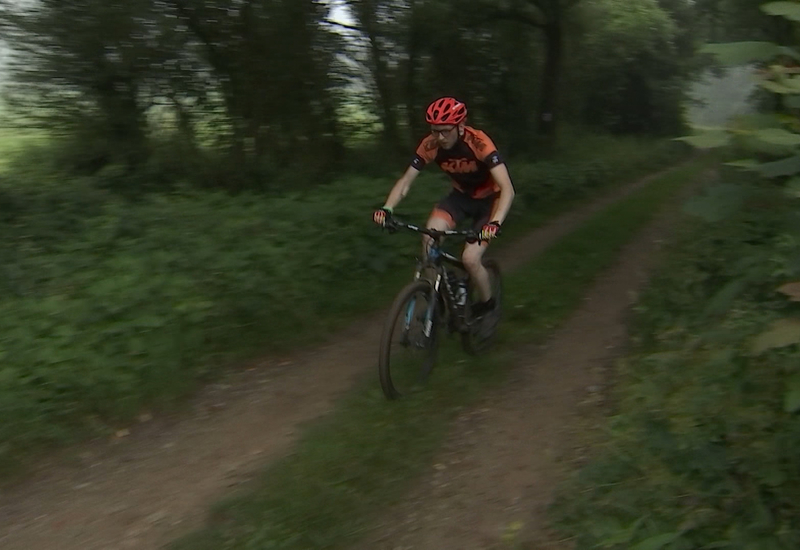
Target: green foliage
(272, 86)
(702, 450)
(741, 53)
(789, 10)
(704, 441)
(629, 76)
(717, 202)
(259, 77)
(707, 139)
(775, 138)
(110, 304)
(725, 20)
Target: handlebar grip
(390, 224)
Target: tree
(550, 18)
(271, 61)
(628, 73)
(88, 65)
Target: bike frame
(436, 259)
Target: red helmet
(446, 110)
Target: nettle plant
(768, 145)
(772, 136)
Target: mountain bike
(440, 296)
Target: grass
(15, 141)
(351, 465)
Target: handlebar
(470, 235)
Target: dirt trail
(502, 462)
(143, 490)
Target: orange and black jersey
(468, 162)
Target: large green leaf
(791, 101)
(784, 167)
(789, 52)
(782, 333)
(792, 188)
(782, 85)
(777, 136)
(754, 121)
(747, 164)
(707, 140)
(752, 143)
(789, 10)
(791, 400)
(742, 53)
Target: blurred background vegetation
(256, 94)
(177, 175)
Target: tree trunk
(413, 110)
(388, 116)
(548, 103)
(365, 12)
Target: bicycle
(436, 295)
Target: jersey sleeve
(485, 149)
(425, 153)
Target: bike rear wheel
(481, 333)
(409, 342)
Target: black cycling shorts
(458, 207)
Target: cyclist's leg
(472, 256)
(445, 215)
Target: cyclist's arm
(401, 187)
(503, 203)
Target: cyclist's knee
(438, 223)
(471, 257)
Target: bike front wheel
(409, 342)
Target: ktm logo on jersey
(459, 166)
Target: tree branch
(341, 25)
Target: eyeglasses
(442, 132)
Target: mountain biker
(482, 188)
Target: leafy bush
(702, 451)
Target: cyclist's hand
(382, 216)
(490, 231)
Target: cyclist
(482, 189)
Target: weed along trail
(156, 482)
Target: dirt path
(501, 464)
(143, 490)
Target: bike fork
(431, 311)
